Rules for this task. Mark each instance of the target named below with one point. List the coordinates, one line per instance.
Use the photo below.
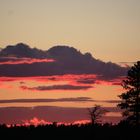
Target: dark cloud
(21, 82)
(22, 50)
(50, 113)
(68, 60)
(86, 81)
(78, 99)
(57, 87)
(111, 101)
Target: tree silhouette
(131, 98)
(96, 113)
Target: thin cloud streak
(56, 87)
(78, 99)
(16, 60)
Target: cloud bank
(21, 61)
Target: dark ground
(72, 132)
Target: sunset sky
(109, 29)
(63, 87)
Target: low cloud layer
(66, 82)
(16, 115)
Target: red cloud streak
(15, 61)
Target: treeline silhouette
(121, 131)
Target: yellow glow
(109, 29)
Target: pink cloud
(15, 60)
(116, 81)
(81, 122)
(70, 82)
(35, 121)
(73, 78)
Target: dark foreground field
(72, 132)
